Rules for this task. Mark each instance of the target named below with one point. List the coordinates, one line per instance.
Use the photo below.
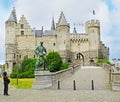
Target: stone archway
(92, 62)
(80, 58)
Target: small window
(22, 26)
(53, 44)
(26, 56)
(19, 56)
(14, 55)
(22, 32)
(34, 56)
(7, 65)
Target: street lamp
(17, 71)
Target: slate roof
(62, 20)
(38, 33)
(49, 32)
(74, 30)
(12, 16)
(53, 25)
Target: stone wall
(60, 75)
(115, 81)
(46, 79)
(103, 51)
(114, 76)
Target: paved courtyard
(65, 94)
(17, 95)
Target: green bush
(13, 75)
(103, 61)
(54, 61)
(25, 69)
(27, 74)
(65, 65)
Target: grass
(25, 83)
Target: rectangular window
(22, 26)
(22, 32)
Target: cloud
(2, 34)
(39, 13)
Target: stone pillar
(43, 80)
(115, 81)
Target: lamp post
(17, 71)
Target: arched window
(79, 56)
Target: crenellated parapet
(92, 23)
(79, 37)
(104, 51)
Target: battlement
(92, 23)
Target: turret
(10, 26)
(53, 25)
(63, 37)
(93, 31)
(10, 40)
(74, 30)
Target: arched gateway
(80, 58)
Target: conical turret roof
(12, 16)
(53, 24)
(74, 30)
(62, 20)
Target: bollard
(92, 85)
(74, 85)
(58, 85)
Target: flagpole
(93, 14)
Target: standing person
(6, 82)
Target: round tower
(10, 41)
(93, 31)
(63, 37)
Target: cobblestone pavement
(22, 95)
(60, 96)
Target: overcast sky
(40, 12)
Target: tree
(54, 61)
(25, 70)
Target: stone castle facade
(84, 48)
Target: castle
(84, 48)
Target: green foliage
(65, 65)
(103, 61)
(54, 61)
(25, 69)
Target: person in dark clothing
(6, 82)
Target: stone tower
(10, 40)
(63, 37)
(93, 31)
